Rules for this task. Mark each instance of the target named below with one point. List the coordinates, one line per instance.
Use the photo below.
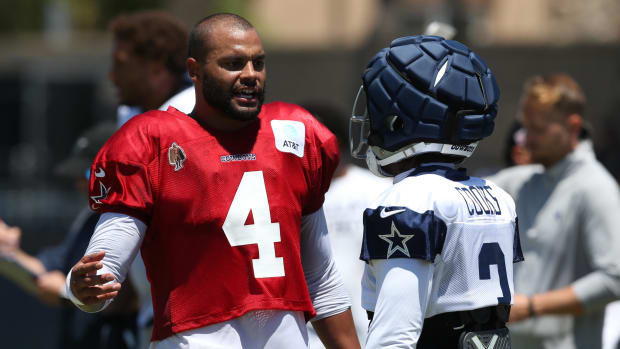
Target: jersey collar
(446, 170)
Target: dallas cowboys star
(398, 239)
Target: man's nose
(249, 75)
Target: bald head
(199, 38)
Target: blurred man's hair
(154, 36)
(558, 93)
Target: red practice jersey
(223, 209)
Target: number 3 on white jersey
(251, 196)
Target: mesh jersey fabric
(184, 181)
(465, 226)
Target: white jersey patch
(290, 136)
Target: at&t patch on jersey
(290, 136)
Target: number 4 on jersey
(251, 196)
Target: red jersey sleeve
(124, 172)
(323, 158)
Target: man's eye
(234, 65)
(259, 64)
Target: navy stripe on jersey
(517, 252)
(457, 175)
(398, 232)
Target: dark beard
(220, 97)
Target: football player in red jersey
(225, 205)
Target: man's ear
(192, 68)
(574, 123)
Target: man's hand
(9, 239)
(88, 287)
(560, 301)
(50, 286)
(520, 310)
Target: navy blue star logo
(102, 195)
(396, 241)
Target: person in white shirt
(148, 71)
(567, 205)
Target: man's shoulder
(279, 108)
(149, 116)
(288, 111)
(592, 168)
(511, 178)
(149, 130)
(153, 120)
(292, 112)
(520, 170)
(421, 193)
(592, 178)
(183, 101)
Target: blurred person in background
(515, 152)
(148, 63)
(149, 72)
(226, 206)
(349, 194)
(608, 155)
(116, 327)
(568, 207)
(515, 155)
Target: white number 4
(251, 196)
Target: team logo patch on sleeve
(103, 194)
(290, 136)
(396, 241)
(176, 156)
(399, 232)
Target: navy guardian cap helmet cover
(427, 94)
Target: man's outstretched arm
(95, 280)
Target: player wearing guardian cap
(425, 94)
(439, 244)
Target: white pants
(268, 329)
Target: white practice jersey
(459, 235)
